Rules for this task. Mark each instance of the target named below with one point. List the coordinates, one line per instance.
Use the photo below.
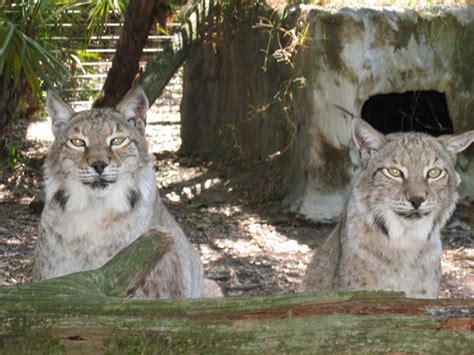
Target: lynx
(101, 194)
(389, 233)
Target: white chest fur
(408, 258)
(409, 234)
(87, 230)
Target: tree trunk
(8, 105)
(140, 16)
(159, 72)
(83, 313)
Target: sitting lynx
(389, 233)
(101, 195)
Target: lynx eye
(434, 173)
(117, 141)
(77, 142)
(394, 172)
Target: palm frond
(25, 53)
(10, 29)
(100, 12)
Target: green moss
(323, 333)
(131, 345)
(34, 319)
(398, 37)
(333, 30)
(21, 334)
(25, 335)
(194, 338)
(328, 33)
(50, 346)
(37, 345)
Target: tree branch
(160, 71)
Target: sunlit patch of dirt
(247, 243)
(231, 213)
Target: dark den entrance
(420, 111)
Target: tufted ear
(365, 136)
(59, 111)
(134, 107)
(456, 143)
(367, 139)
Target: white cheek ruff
(407, 232)
(117, 198)
(79, 198)
(114, 197)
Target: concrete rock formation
(347, 57)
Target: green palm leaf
(24, 55)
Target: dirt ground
(230, 212)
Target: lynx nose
(416, 201)
(99, 166)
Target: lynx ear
(134, 107)
(59, 111)
(365, 136)
(455, 144)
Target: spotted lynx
(389, 233)
(101, 195)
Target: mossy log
(89, 312)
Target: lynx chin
(101, 195)
(388, 237)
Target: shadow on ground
(251, 245)
(230, 211)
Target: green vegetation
(26, 57)
(101, 11)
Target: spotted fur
(389, 235)
(101, 195)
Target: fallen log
(89, 312)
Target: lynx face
(97, 153)
(409, 179)
(101, 195)
(414, 185)
(99, 148)
(389, 234)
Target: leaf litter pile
(231, 213)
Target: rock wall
(343, 58)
